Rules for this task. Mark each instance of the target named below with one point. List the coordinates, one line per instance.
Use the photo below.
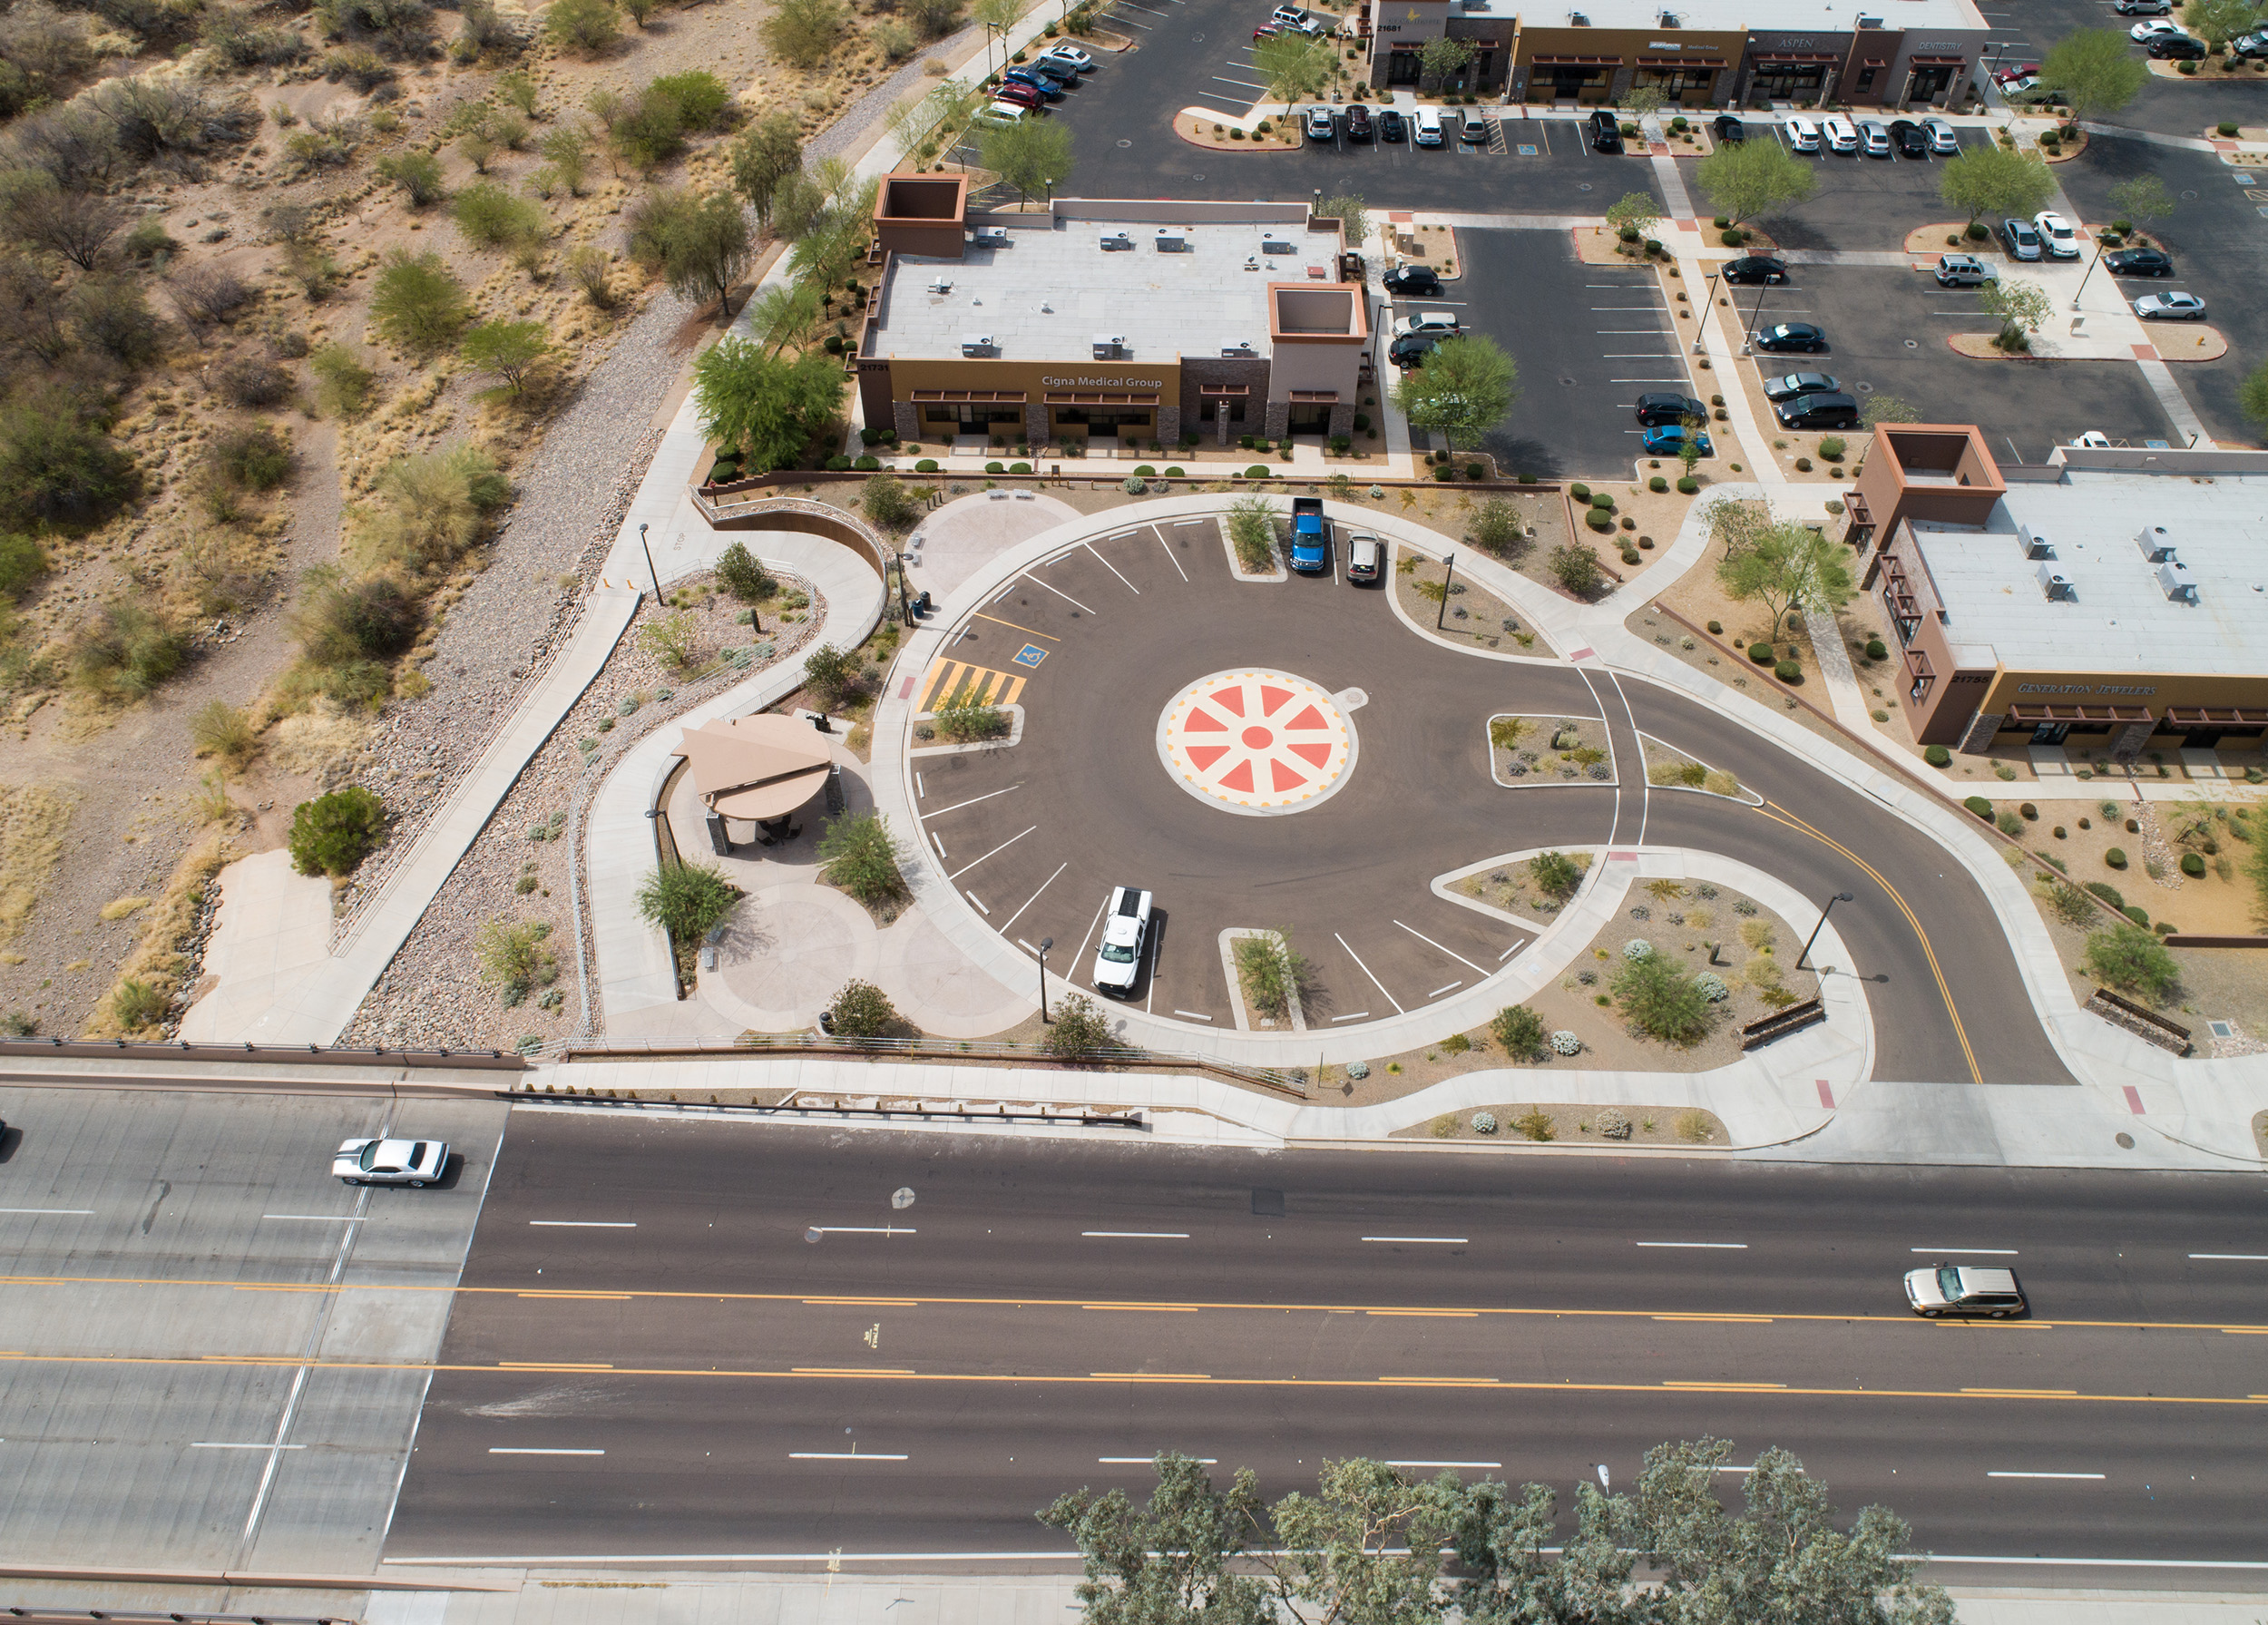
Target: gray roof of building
(1753, 16)
(1045, 295)
(2119, 616)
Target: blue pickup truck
(1311, 536)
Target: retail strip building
(1098, 323)
(2114, 600)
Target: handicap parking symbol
(1030, 654)
(1525, 152)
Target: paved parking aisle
(1888, 329)
(1588, 341)
(169, 1261)
(1861, 202)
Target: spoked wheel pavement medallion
(1257, 742)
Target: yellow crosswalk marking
(974, 683)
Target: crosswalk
(976, 685)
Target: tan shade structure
(755, 768)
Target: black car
(1392, 126)
(2139, 262)
(1655, 411)
(1358, 122)
(2177, 47)
(1819, 412)
(1413, 280)
(1726, 128)
(1755, 267)
(1411, 349)
(1777, 391)
(1792, 336)
(1911, 140)
(1605, 130)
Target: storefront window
(1789, 81)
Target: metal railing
(919, 1111)
(128, 1050)
(1291, 1084)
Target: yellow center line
(545, 1365)
(2025, 1393)
(1545, 1312)
(581, 1297)
(1457, 1382)
(1137, 1377)
(1778, 814)
(862, 1303)
(852, 1371)
(1718, 1319)
(1712, 1387)
(1426, 1314)
(1143, 1308)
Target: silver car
(1951, 1289)
(391, 1161)
(1941, 136)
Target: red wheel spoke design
(1257, 741)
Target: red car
(2010, 75)
(1023, 95)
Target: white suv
(1802, 135)
(1321, 126)
(1951, 1289)
(1842, 136)
(1118, 962)
(2056, 235)
(1433, 324)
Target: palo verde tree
(1786, 566)
(1463, 391)
(1995, 180)
(1746, 179)
(1292, 66)
(2094, 72)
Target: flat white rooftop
(2119, 616)
(1055, 287)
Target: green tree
(1635, 212)
(1031, 155)
(766, 407)
(587, 27)
(1252, 530)
(1442, 58)
(1555, 875)
(567, 150)
(768, 153)
(1664, 1001)
(1463, 390)
(1747, 180)
(512, 957)
(835, 677)
(685, 899)
(859, 855)
(1367, 1545)
(887, 502)
(802, 33)
(2143, 197)
(744, 575)
(1993, 179)
(416, 303)
(1077, 1031)
(58, 467)
(2022, 308)
(1787, 567)
(1642, 101)
(705, 250)
(494, 218)
(1292, 66)
(342, 381)
(2132, 959)
(1353, 217)
(2217, 21)
(1577, 569)
(333, 833)
(2094, 72)
(418, 173)
(1519, 1031)
(782, 314)
(862, 1010)
(1170, 1562)
(509, 349)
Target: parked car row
(1028, 88)
(1425, 127)
(1911, 138)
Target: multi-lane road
(681, 1341)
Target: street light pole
(650, 569)
(1838, 898)
(1754, 316)
(1451, 564)
(1708, 303)
(2090, 272)
(1045, 944)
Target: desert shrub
(587, 27)
(862, 1010)
(2116, 857)
(803, 32)
(2194, 866)
(1535, 1123)
(587, 267)
(1252, 531)
(2009, 824)
(1981, 806)
(1693, 1127)
(1555, 875)
(1270, 972)
(253, 457)
(1496, 526)
(250, 381)
(685, 899)
(966, 719)
(416, 303)
(859, 855)
(342, 381)
(494, 218)
(675, 638)
(221, 730)
(338, 619)
(58, 468)
(137, 1004)
(887, 503)
(2132, 960)
(834, 676)
(1078, 1030)
(419, 174)
(513, 959)
(743, 576)
(1936, 755)
(1519, 1031)
(112, 317)
(432, 506)
(334, 833)
(206, 297)
(21, 561)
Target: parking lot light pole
(1047, 941)
(1838, 898)
(650, 569)
(2090, 272)
(1450, 563)
(1756, 315)
(1708, 303)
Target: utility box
(720, 842)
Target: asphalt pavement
(735, 1340)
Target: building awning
(2214, 715)
(1224, 389)
(1681, 62)
(1070, 399)
(1937, 62)
(1788, 56)
(2079, 716)
(1315, 398)
(1008, 397)
(1876, 62)
(757, 768)
(1588, 61)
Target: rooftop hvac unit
(1172, 240)
(1867, 21)
(1108, 345)
(992, 237)
(1576, 19)
(1273, 244)
(1117, 237)
(977, 344)
(2053, 583)
(2156, 543)
(941, 286)
(1239, 346)
(1669, 19)
(2036, 544)
(2180, 586)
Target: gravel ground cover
(1531, 750)
(1532, 1122)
